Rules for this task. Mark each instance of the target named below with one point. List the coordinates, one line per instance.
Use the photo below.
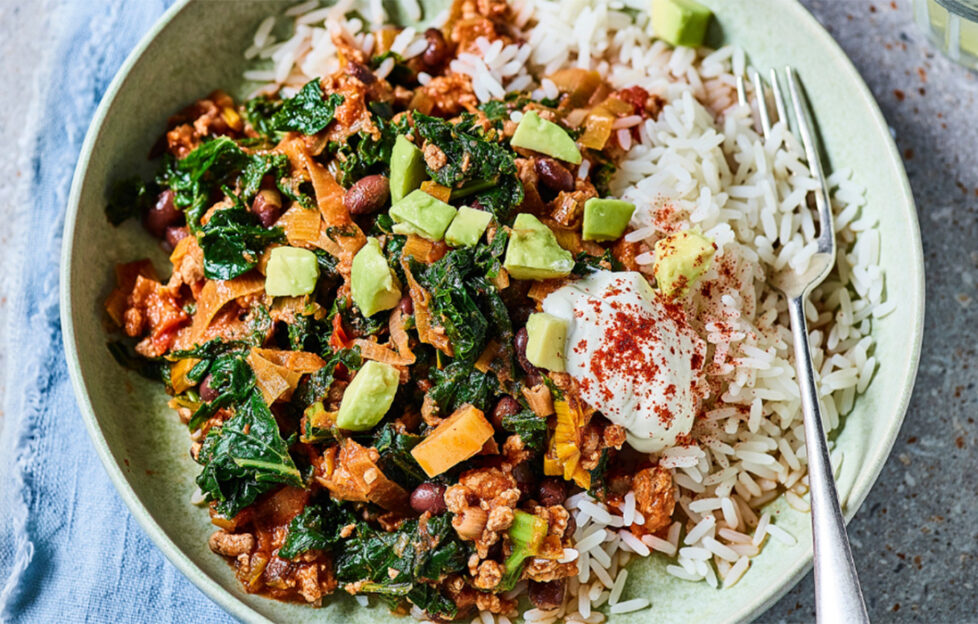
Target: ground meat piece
(434, 157)
(514, 450)
(211, 116)
(544, 570)
(494, 603)
(489, 574)
(450, 94)
(613, 436)
(654, 497)
(500, 519)
(231, 544)
(482, 493)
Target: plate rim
(231, 602)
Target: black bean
(361, 72)
(407, 306)
(526, 481)
(368, 195)
(207, 393)
(162, 215)
(436, 53)
(547, 595)
(551, 492)
(507, 406)
(175, 234)
(267, 205)
(554, 175)
(429, 497)
(520, 344)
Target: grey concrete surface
(915, 540)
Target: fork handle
(838, 597)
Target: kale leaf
(259, 112)
(531, 428)
(453, 303)
(315, 387)
(418, 556)
(231, 377)
(364, 154)
(396, 461)
(192, 178)
(232, 241)
(308, 111)
(585, 263)
(317, 527)
(245, 457)
(459, 383)
(473, 155)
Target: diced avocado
(420, 213)
(372, 283)
(467, 227)
(533, 252)
(680, 22)
(291, 272)
(680, 260)
(407, 168)
(546, 137)
(368, 397)
(546, 335)
(606, 219)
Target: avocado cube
(533, 251)
(420, 213)
(407, 168)
(680, 22)
(291, 272)
(546, 335)
(373, 286)
(467, 227)
(368, 397)
(606, 219)
(680, 260)
(546, 137)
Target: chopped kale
(259, 112)
(231, 377)
(232, 241)
(495, 110)
(459, 383)
(192, 178)
(473, 154)
(245, 457)
(317, 527)
(129, 198)
(598, 474)
(396, 461)
(585, 263)
(453, 303)
(308, 111)
(531, 428)
(403, 562)
(259, 324)
(489, 258)
(315, 387)
(364, 153)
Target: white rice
(701, 163)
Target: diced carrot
(456, 439)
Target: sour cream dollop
(633, 354)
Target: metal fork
(838, 597)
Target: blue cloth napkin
(69, 549)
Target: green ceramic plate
(196, 47)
